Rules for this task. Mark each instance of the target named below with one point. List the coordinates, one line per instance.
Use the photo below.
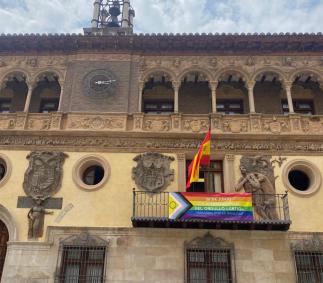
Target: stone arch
(46, 92)
(152, 71)
(268, 83)
(205, 72)
(316, 74)
(157, 91)
(307, 90)
(276, 71)
(15, 71)
(195, 91)
(223, 71)
(7, 218)
(54, 71)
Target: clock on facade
(100, 83)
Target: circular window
(302, 177)
(91, 172)
(5, 169)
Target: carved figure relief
(153, 172)
(42, 180)
(258, 178)
(36, 217)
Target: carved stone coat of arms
(153, 172)
(44, 174)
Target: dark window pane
(211, 178)
(48, 105)
(230, 107)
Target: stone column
(125, 14)
(96, 13)
(214, 86)
(176, 86)
(61, 83)
(181, 172)
(288, 88)
(140, 96)
(228, 173)
(29, 95)
(250, 86)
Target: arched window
(46, 94)
(4, 237)
(13, 93)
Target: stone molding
(314, 243)
(8, 167)
(85, 162)
(310, 169)
(7, 218)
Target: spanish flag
(201, 158)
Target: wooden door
(4, 238)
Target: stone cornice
(217, 44)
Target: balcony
(260, 124)
(211, 211)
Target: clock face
(100, 83)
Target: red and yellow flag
(201, 158)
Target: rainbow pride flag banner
(215, 206)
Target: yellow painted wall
(109, 206)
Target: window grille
(209, 260)
(209, 266)
(82, 261)
(309, 266)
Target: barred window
(209, 266)
(309, 266)
(82, 264)
(82, 260)
(209, 260)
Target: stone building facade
(97, 132)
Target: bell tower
(111, 17)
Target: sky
(171, 16)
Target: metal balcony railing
(269, 212)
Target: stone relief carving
(196, 125)
(44, 174)
(85, 239)
(153, 172)
(275, 126)
(142, 143)
(42, 180)
(96, 123)
(38, 123)
(32, 62)
(315, 243)
(258, 178)
(157, 125)
(208, 241)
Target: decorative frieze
(175, 123)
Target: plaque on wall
(100, 83)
